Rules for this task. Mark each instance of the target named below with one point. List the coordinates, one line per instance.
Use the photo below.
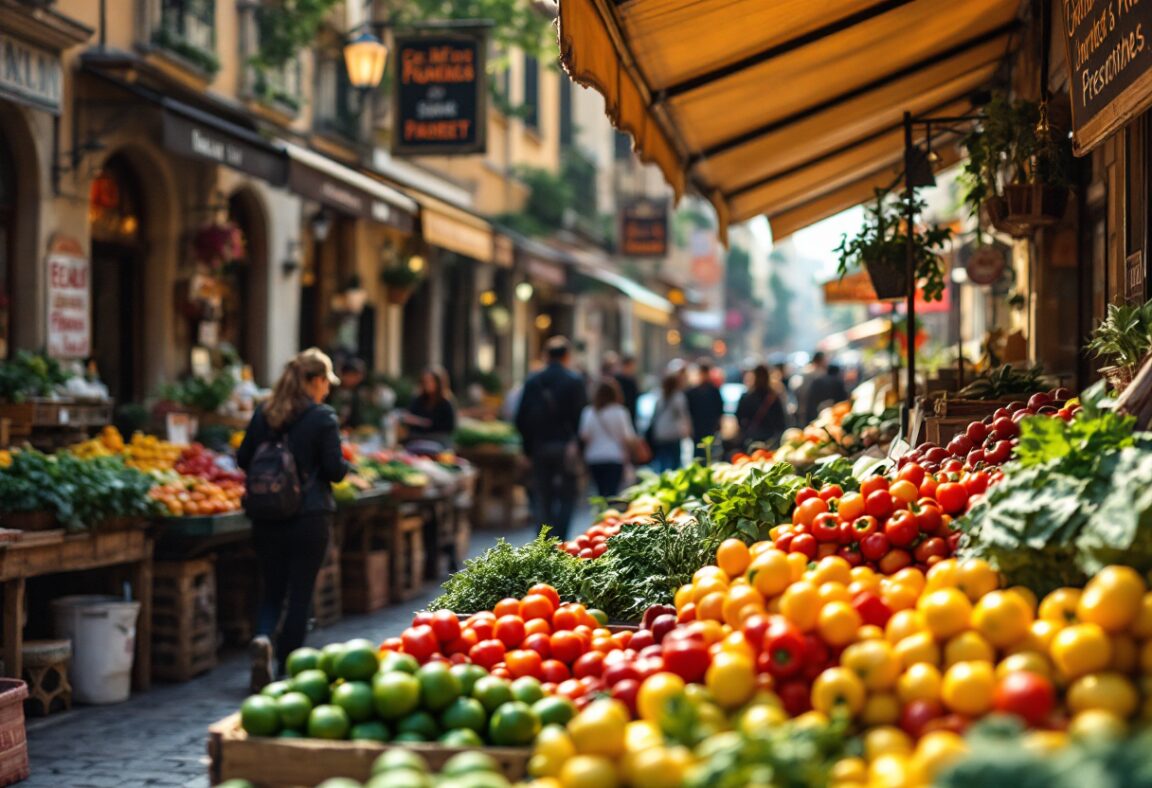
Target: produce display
(1004, 381)
(406, 769)
(473, 432)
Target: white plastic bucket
(103, 634)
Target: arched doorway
(115, 218)
(7, 242)
(245, 316)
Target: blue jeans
(666, 456)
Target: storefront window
(7, 222)
(333, 101)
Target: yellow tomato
(898, 596)
(1110, 692)
(660, 767)
(1095, 725)
(880, 709)
(589, 771)
(798, 562)
(1125, 654)
(921, 681)
(837, 623)
(1081, 649)
(800, 604)
(942, 575)
(709, 585)
(968, 647)
(1002, 617)
(1146, 658)
(1045, 742)
(770, 573)
(1028, 595)
(886, 740)
(760, 718)
(553, 747)
(864, 574)
(761, 547)
(968, 688)
(683, 596)
(833, 592)
(1039, 637)
(946, 612)
(1113, 598)
(811, 719)
(832, 569)
(1025, 662)
(838, 688)
(710, 607)
(733, 557)
(874, 661)
(849, 770)
(976, 577)
(599, 729)
(1060, 606)
(893, 771)
(912, 577)
(905, 490)
(709, 572)
(1141, 627)
(860, 586)
(655, 692)
(936, 751)
(737, 600)
(737, 643)
(731, 678)
(639, 735)
(902, 624)
(918, 648)
(869, 632)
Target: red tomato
(507, 607)
(619, 670)
(537, 626)
(928, 487)
(806, 494)
(565, 617)
(912, 472)
(640, 640)
(445, 625)
(874, 546)
(796, 697)
(804, 543)
(572, 689)
(894, 561)
(420, 642)
(933, 546)
(423, 618)
(755, 627)
(524, 662)
(566, 646)
(626, 691)
(784, 541)
(831, 491)
(976, 483)
(865, 526)
(1027, 695)
(953, 497)
(392, 644)
(879, 504)
(902, 529)
(687, 658)
(543, 589)
(462, 644)
(554, 671)
(806, 512)
(977, 432)
(510, 631)
(826, 527)
(487, 653)
(917, 714)
(589, 664)
(929, 519)
(536, 606)
(540, 643)
(873, 484)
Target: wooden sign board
(1134, 287)
(441, 96)
(1110, 58)
(644, 229)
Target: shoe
(263, 665)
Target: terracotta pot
(399, 295)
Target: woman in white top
(606, 430)
(671, 424)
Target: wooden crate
(326, 604)
(21, 417)
(183, 619)
(287, 763)
(364, 581)
(237, 593)
(941, 430)
(407, 553)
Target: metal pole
(910, 217)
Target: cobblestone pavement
(159, 738)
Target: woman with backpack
(291, 453)
(606, 430)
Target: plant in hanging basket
(217, 245)
(881, 247)
(1122, 340)
(1017, 167)
(401, 282)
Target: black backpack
(272, 488)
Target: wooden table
(52, 552)
(498, 470)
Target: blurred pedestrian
(761, 413)
(805, 407)
(705, 406)
(826, 390)
(608, 436)
(432, 414)
(350, 398)
(671, 423)
(291, 451)
(548, 420)
(629, 387)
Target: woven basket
(1119, 378)
(13, 742)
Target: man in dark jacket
(626, 377)
(548, 420)
(826, 389)
(705, 406)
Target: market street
(160, 737)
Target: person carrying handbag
(671, 424)
(609, 440)
(760, 413)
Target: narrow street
(158, 738)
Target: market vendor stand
(498, 470)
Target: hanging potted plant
(401, 281)
(1122, 340)
(217, 245)
(1017, 168)
(881, 247)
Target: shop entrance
(117, 274)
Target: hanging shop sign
(201, 139)
(1134, 289)
(441, 97)
(1110, 57)
(985, 266)
(644, 229)
(69, 300)
(29, 74)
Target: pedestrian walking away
(548, 420)
(670, 425)
(606, 430)
(760, 412)
(705, 406)
(291, 453)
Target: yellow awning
(766, 105)
(448, 227)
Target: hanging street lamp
(365, 57)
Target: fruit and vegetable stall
(963, 614)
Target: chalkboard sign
(1110, 57)
(644, 229)
(441, 93)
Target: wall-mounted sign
(644, 229)
(985, 266)
(1110, 59)
(29, 74)
(202, 140)
(1134, 287)
(345, 195)
(441, 96)
(69, 300)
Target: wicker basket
(13, 742)
(1119, 378)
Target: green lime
(373, 730)
(438, 686)
(276, 689)
(291, 733)
(328, 722)
(400, 758)
(461, 737)
(235, 784)
(421, 723)
(600, 616)
(397, 660)
(395, 694)
(400, 778)
(468, 674)
(302, 659)
(514, 724)
(464, 713)
(339, 782)
(477, 780)
(492, 692)
(328, 656)
(527, 690)
(410, 737)
(294, 708)
(314, 684)
(358, 661)
(467, 762)
(258, 716)
(355, 697)
(554, 711)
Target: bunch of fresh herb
(748, 510)
(1124, 337)
(505, 571)
(675, 488)
(838, 470)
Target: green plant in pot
(401, 281)
(1122, 340)
(1018, 167)
(881, 247)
